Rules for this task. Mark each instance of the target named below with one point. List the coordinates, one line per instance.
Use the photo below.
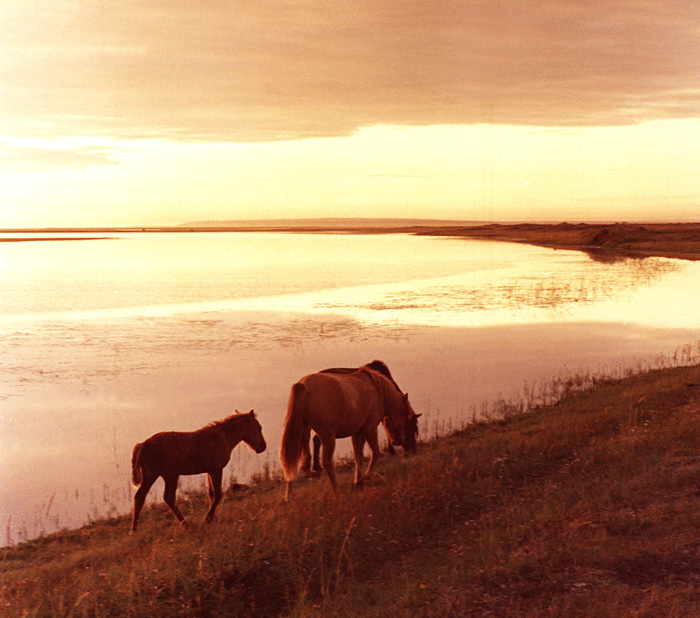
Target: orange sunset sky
(150, 112)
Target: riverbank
(589, 507)
(600, 241)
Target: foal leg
(140, 498)
(214, 492)
(328, 450)
(169, 496)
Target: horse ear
(252, 413)
(418, 415)
(405, 398)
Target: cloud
(266, 69)
(51, 157)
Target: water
(104, 342)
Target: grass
(588, 507)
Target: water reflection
(144, 273)
(542, 290)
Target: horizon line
(327, 223)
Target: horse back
(341, 403)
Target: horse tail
(136, 474)
(293, 433)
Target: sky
(161, 112)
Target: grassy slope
(586, 508)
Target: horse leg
(214, 492)
(316, 467)
(169, 496)
(328, 450)
(140, 497)
(375, 453)
(358, 445)
(360, 453)
(389, 446)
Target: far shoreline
(54, 239)
(606, 242)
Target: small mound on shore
(620, 235)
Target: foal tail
(293, 434)
(136, 474)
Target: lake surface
(104, 342)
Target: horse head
(397, 424)
(253, 435)
(410, 430)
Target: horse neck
(393, 401)
(390, 394)
(231, 430)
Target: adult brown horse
(337, 405)
(410, 431)
(173, 453)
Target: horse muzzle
(397, 440)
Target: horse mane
(381, 367)
(382, 384)
(225, 422)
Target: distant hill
(328, 222)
